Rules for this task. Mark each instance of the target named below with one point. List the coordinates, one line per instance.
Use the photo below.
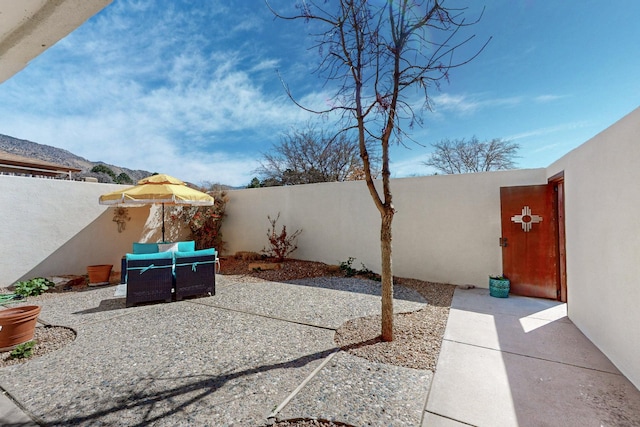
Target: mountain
(47, 153)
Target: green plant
(104, 169)
(364, 271)
(23, 350)
(33, 287)
(346, 267)
(123, 178)
(281, 245)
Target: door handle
(503, 242)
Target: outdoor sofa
(164, 271)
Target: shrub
(105, 170)
(281, 245)
(205, 222)
(123, 178)
(347, 268)
(23, 350)
(33, 287)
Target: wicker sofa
(164, 271)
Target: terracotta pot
(17, 326)
(99, 274)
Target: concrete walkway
(260, 351)
(521, 362)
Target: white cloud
(543, 99)
(409, 164)
(140, 94)
(547, 130)
(469, 104)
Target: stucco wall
(446, 228)
(55, 227)
(602, 207)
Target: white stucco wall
(55, 227)
(602, 207)
(446, 228)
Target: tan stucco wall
(446, 228)
(602, 187)
(55, 227)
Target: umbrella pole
(163, 222)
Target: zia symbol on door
(526, 219)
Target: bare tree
(460, 156)
(376, 56)
(310, 155)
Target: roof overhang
(29, 27)
(18, 165)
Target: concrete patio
(258, 350)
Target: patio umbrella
(157, 189)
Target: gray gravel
(230, 359)
(354, 391)
(47, 339)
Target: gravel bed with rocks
(417, 335)
(47, 339)
(309, 423)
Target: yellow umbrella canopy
(157, 189)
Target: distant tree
(380, 60)
(308, 156)
(270, 182)
(105, 170)
(460, 156)
(255, 183)
(123, 178)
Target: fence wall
(602, 202)
(446, 229)
(56, 227)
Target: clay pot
(99, 274)
(17, 326)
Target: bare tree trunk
(387, 275)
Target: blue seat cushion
(187, 246)
(145, 248)
(153, 256)
(201, 252)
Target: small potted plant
(499, 286)
(18, 325)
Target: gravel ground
(47, 338)
(309, 423)
(417, 336)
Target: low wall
(446, 228)
(56, 227)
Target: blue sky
(190, 88)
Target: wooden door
(530, 240)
